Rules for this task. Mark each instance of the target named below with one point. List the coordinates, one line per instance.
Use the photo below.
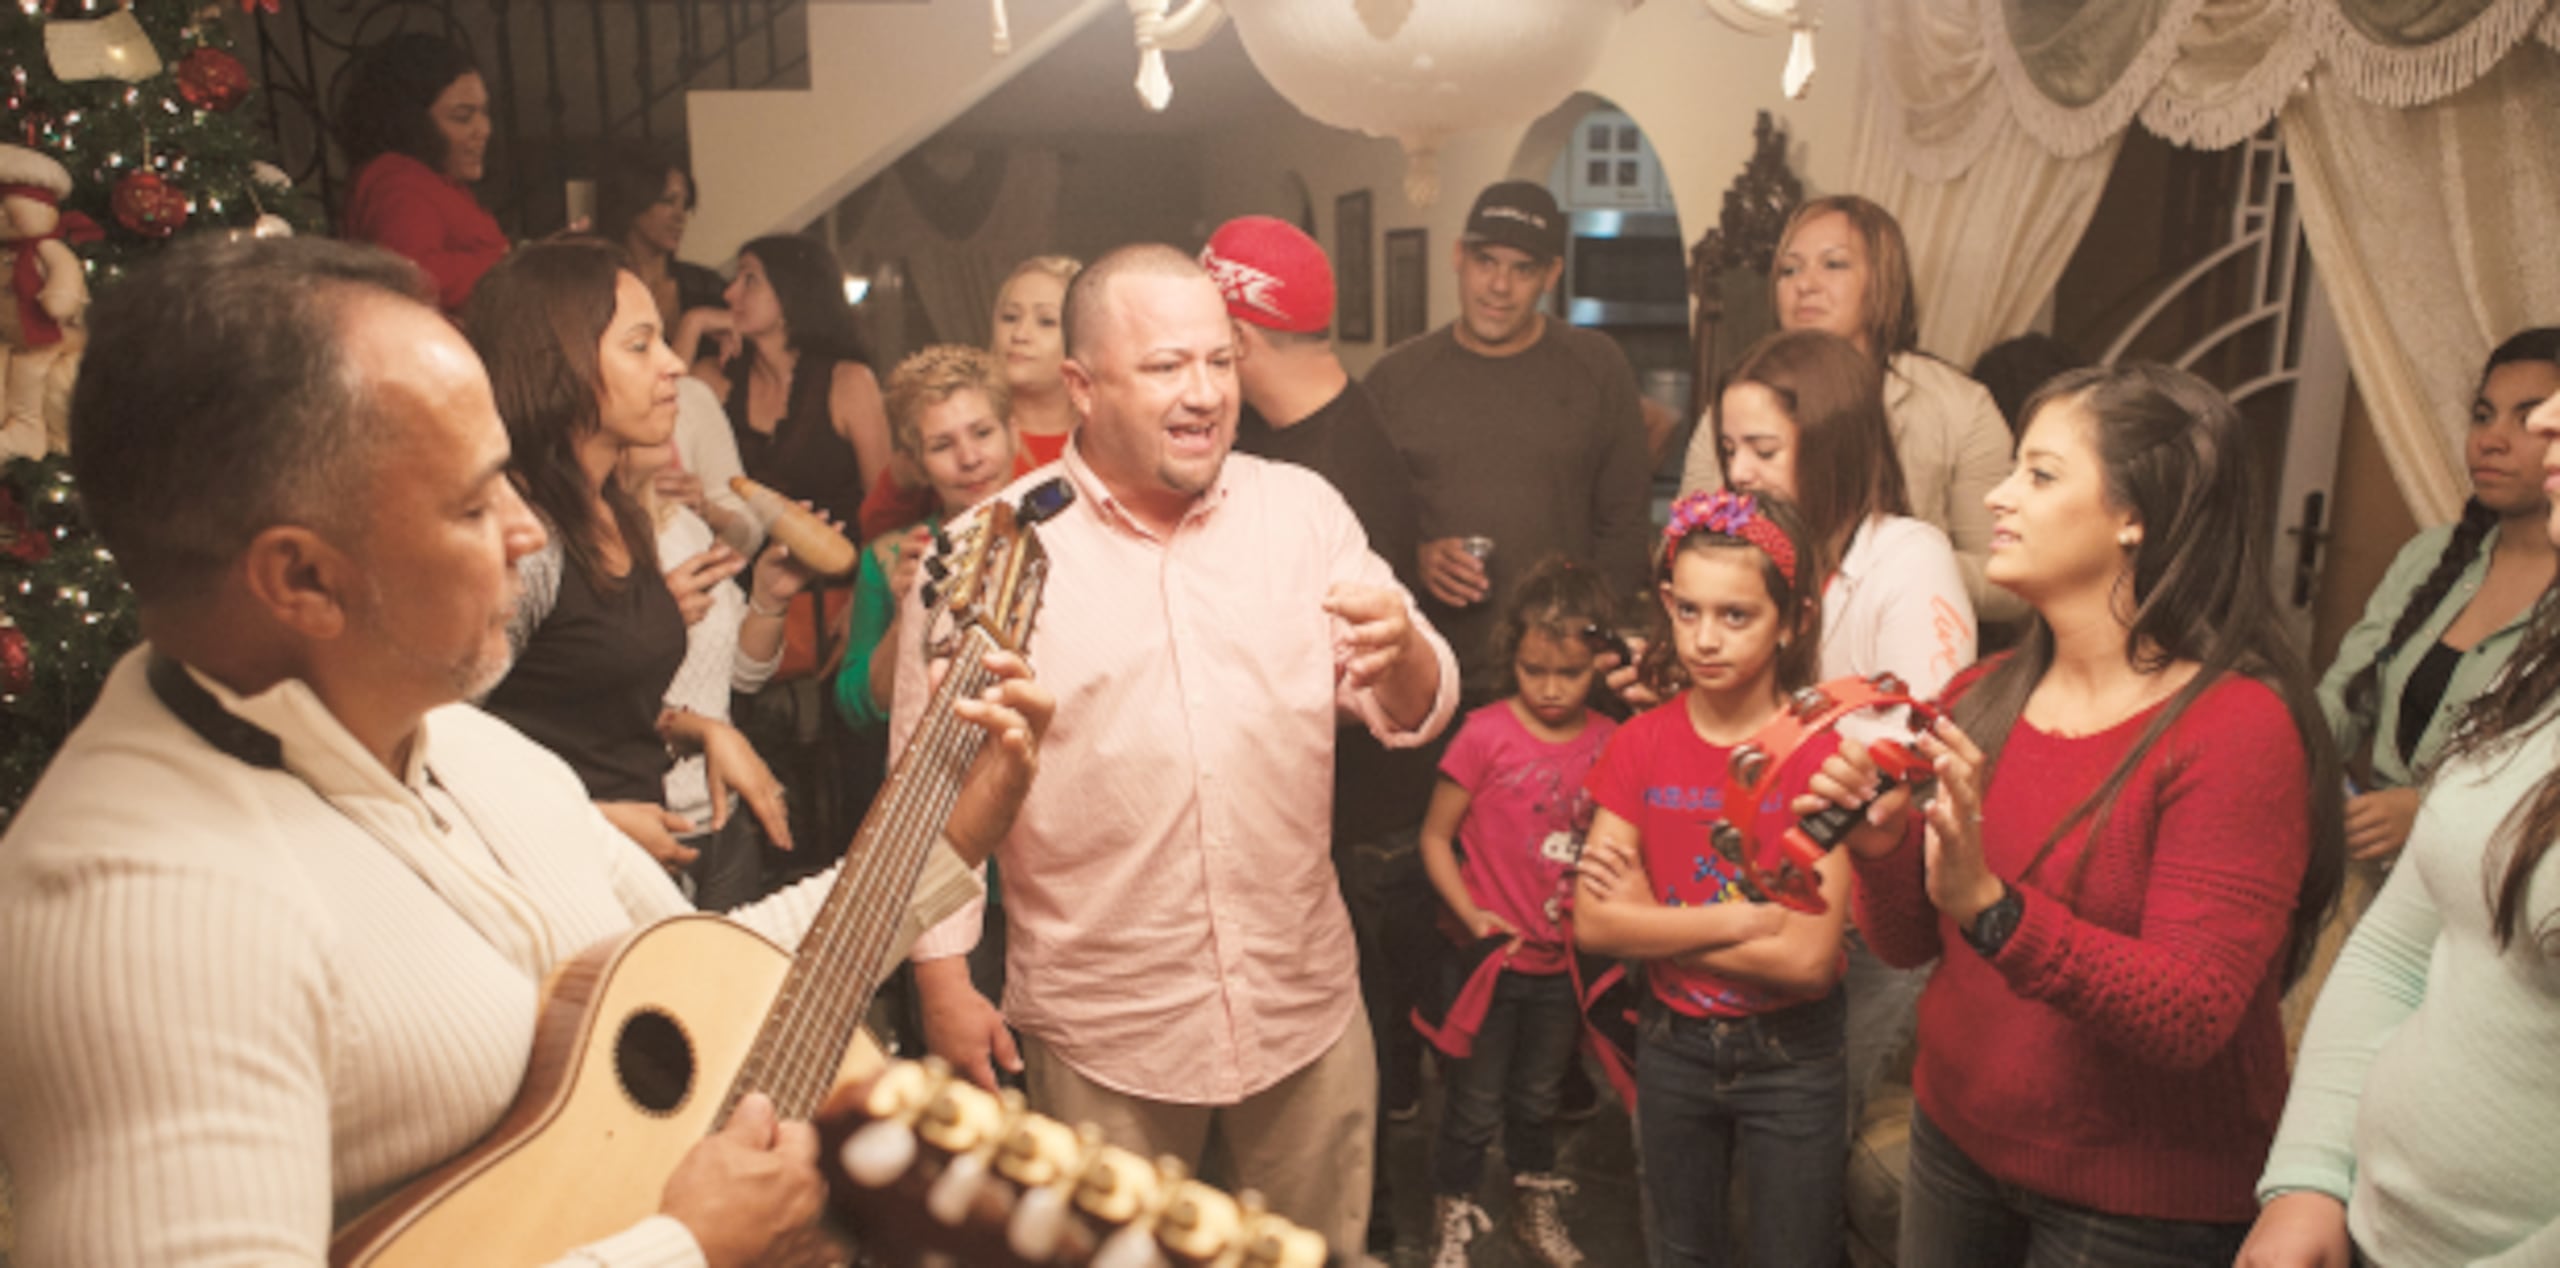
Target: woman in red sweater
(2135, 832)
(414, 124)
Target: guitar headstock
(922, 1163)
(988, 570)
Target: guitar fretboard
(803, 1041)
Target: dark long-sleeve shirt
(1543, 451)
(1376, 789)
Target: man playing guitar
(274, 927)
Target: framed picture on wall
(1408, 284)
(1353, 300)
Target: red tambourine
(1758, 762)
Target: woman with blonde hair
(1842, 267)
(1029, 344)
(948, 419)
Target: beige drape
(2425, 140)
(1991, 215)
(2438, 233)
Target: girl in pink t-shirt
(1499, 843)
(1739, 1068)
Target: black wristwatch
(1992, 928)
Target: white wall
(1693, 83)
(882, 79)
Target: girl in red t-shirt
(1740, 1064)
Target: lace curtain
(1988, 127)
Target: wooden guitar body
(638, 1041)
(646, 1043)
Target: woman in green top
(2424, 1125)
(2449, 613)
(949, 424)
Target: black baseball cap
(1519, 214)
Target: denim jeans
(730, 872)
(1511, 1082)
(1759, 1096)
(1956, 1215)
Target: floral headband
(1735, 515)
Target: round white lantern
(1419, 70)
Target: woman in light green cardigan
(2424, 1124)
(2451, 610)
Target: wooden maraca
(812, 540)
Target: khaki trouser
(1302, 1143)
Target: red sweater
(401, 203)
(2124, 1051)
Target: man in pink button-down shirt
(1178, 949)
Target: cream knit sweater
(237, 1004)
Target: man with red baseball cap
(1301, 406)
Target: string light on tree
(178, 152)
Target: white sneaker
(1459, 1220)
(1537, 1219)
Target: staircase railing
(564, 76)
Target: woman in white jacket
(1803, 419)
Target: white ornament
(1161, 32)
(1798, 76)
(112, 47)
(271, 225)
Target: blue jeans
(1511, 1082)
(1762, 1096)
(1956, 1215)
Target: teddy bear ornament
(40, 318)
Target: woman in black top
(809, 422)
(804, 406)
(580, 373)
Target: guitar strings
(803, 1032)
(795, 1060)
(805, 1045)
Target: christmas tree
(65, 616)
(147, 105)
(144, 104)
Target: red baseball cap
(1272, 275)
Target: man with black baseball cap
(1522, 433)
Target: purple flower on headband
(1722, 512)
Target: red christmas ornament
(149, 206)
(252, 6)
(211, 79)
(17, 664)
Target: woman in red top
(413, 122)
(2135, 834)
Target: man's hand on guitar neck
(1015, 713)
(748, 1185)
(962, 1026)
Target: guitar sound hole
(654, 1060)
